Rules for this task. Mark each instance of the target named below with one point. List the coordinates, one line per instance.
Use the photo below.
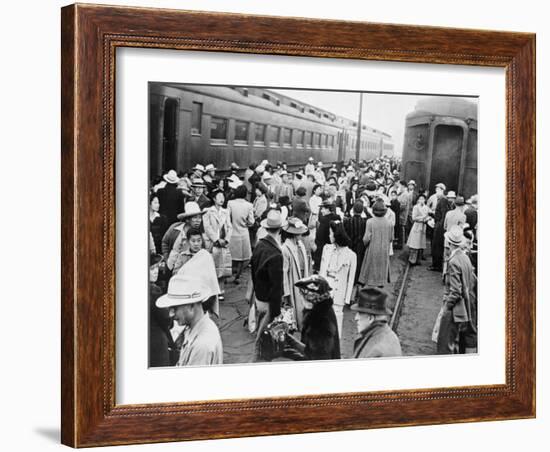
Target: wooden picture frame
(90, 37)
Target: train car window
(299, 138)
(259, 134)
(309, 139)
(218, 129)
(196, 118)
(241, 132)
(287, 136)
(317, 140)
(325, 141)
(274, 135)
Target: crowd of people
(316, 240)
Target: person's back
(300, 208)
(171, 201)
(378, 341)
(267, 273)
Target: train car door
(446, 154)
(170, 135)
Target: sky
(383, 111)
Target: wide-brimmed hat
(320, 164)
(183, 290)
(295, 226)
(273, 220)
(199, 167)
(234, 166)
(198, 183)
(474, 200)
(441, 185)
(459, 201)
(412, 182)
(371, 300)
(455, 235)
(210, 167)
(191, 209)
(451, 194)
(266, 175)
(260, 169)
(171, 177)
(310, 159)
(314, 283)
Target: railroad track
(394, 321)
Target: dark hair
(240, 192)
(260, 186)
(301, 191)
(216, 192)
(153, 196)
(421, 195)
(284, 200)
(340, 236)
(191, 232)
(316, 186)
(358, 207)
(403, 182)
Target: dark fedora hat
(459, 201)
(371, 301)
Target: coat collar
(271, 241)
(366, 335)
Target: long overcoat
(242, 217)
(377, 341)
(375, 270)
(417, 236)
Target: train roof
(445, 106)
(277, 102)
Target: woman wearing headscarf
(295, 267)
(375, 270)
(417, 237)
(338, 264)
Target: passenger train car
(440, 145)
(190, 124)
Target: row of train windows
(262, 134)
(365, 144)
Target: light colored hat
(191, 209)
(260, 169)
(441, 185)
(266, 176)
(210, 167)
(273, 220)
(264, 162)
(283, 173)
(199, 167)
(295, 226)
(234, 166)
(234, 181)
(451, 194)
(320, 164)
(310, 159)
(171, 177)
(412, 182)
(474, 200)
(183, 290)
(455, 235)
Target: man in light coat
(200, 339)
(458, 328)
(376, 339)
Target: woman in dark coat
(322, 236)
(355, 228)
(438, 239)
(319, 330)
(158, 224)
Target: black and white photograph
(299, 225)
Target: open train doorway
(446, 155)
(170, 135)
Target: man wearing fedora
(174, 240)
(267, 274)
(201, 199)
(201, 341)
(376, 339)
(458, 328)
(171, 198)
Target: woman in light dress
(242, 218)
(338, 263)
(218, 229)
(417, 237)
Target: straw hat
(191, 209)
(183, 290)
(171, 177)
(451, 194)
(441, 185)
(199, 167)
(210, 167)
(295, 226)
(273, 220)
(455, 235)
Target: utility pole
(359, 127)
